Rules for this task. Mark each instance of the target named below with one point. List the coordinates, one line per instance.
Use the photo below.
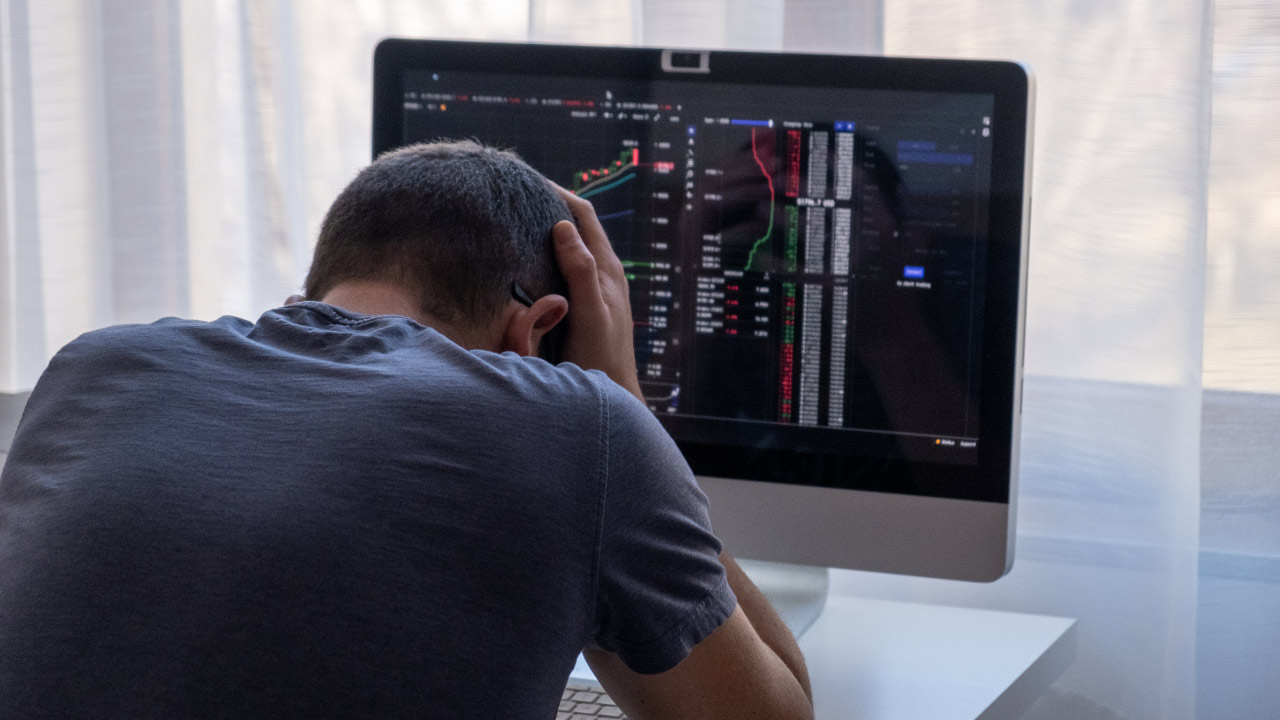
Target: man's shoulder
(143, 340)
(167, 328)
(539, 379)
(562, 398)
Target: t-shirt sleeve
(660, 586)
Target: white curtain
(163, 157)
(174, 157)
(1109, 506)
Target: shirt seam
(602, 476)
(341, 317)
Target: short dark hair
(454, 221)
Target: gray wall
(10, 412)
(1238, 621)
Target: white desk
(876, 659)
(883, 660)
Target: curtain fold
(1242, 313)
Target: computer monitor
(826, 257)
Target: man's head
(454, 224)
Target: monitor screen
(809, 262)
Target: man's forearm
(766, 621)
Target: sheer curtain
(167, 157)
(1108, 526)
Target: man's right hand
(600, 331)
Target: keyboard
(583, 702)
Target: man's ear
(526, 326)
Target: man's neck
(371, 297)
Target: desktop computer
(827, 263)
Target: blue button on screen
(913, 271)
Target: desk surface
(885, 659)
(873, 659)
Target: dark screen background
(805, 265)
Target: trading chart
(811, 271)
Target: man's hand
(599, 335)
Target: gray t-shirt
(326, 514)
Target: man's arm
(750, 667)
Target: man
(376, 502)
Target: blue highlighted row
(845, 126)
(610, 216)
(934, 158)
(752, 123)
(913, 271)
(926, 145)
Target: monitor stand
(797, 592)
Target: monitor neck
(797, 592)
